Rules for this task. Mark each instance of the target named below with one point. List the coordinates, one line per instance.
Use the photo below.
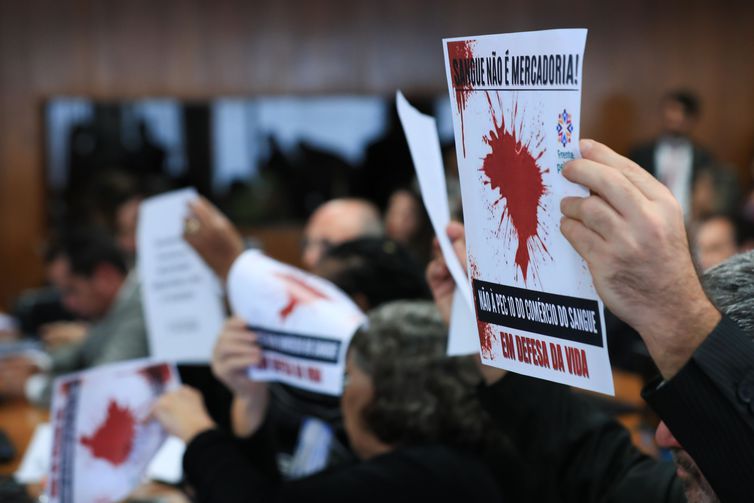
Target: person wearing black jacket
(574, 451)
(630, 230)
(673, 157)
(411, 415)
(578, 453)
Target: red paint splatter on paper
(484, 329)
(514, 172)
(299, 293)
(461, 50)
(157, 376)
(114, 438)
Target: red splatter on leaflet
(159, 374)
(114, 438)
(299, 293)
(485, 330)
(461, 50)
(514, 172)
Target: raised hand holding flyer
(303, 322)
(424, 144)
(181, 295)
(516, 102)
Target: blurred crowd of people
(414, 424)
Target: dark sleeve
(578, 453)
(221, 467)
(709, 407)
(220, 472)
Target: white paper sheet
(102, 440)
(516, 102)
(181, 295)
(36, 462)
(424, 144)
(167, 464)
(304, 322)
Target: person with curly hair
(410, 413)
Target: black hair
(85, 250)
(377, 268)
(687, 99)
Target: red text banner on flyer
(516, 102)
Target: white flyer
(181, 295)
(516, 102)
(304, 323)
(424, 144)
(166, 465)
(102, 441)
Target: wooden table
(19, 419)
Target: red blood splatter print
(299, 293)
(461, 50)
(114, 438)
(485, 330)
(514, 172)
(157, 376)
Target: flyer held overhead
(516, 102)
(303, 323)
(424, 145)
(182, 297)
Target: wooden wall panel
(193, 48)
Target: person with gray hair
(730, 286)
(577, 451)
(411, 416)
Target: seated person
(340, 246)
(410, 415)
(372, 271)
(93, 278)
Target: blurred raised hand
(182, 413)
(213, 236)
(235, 352)
(440, 281)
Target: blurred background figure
(94, 282)
(673, 157)
(407, 222)
(337, 221)
(716, 238)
